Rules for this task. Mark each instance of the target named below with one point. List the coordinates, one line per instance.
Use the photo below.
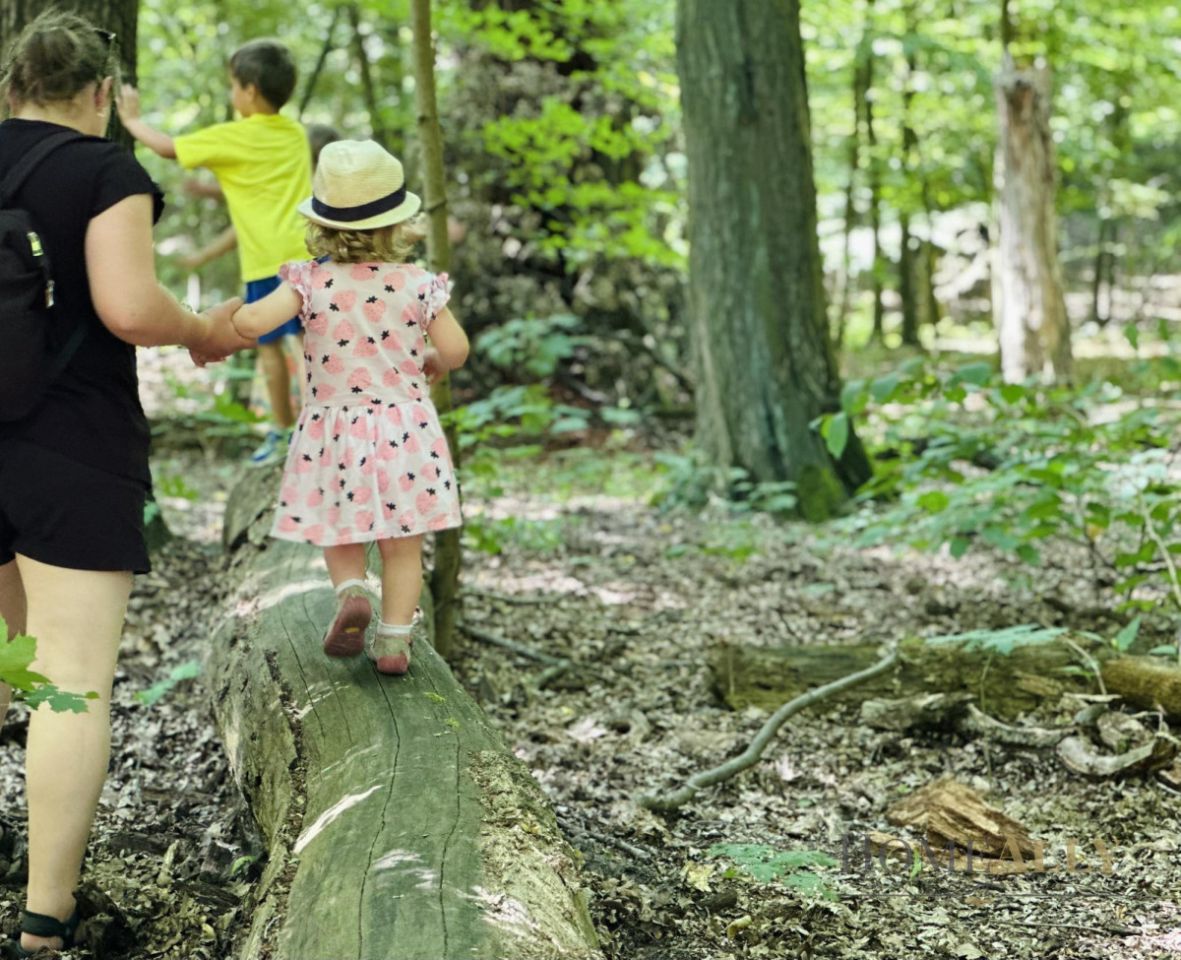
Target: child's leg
(401, 578)
(345, 563)
(278, 382)
(345, 636)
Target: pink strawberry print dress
(368, 460)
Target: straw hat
(359, 186)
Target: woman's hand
(220, 339)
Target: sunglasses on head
(106, 36)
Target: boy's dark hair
(268, 65)
(319, 136)
(55, 57)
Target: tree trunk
(309, 88)
(860, 89)
(397, 824)
(448, 556)
(118, 16)
(1031, 319)
(906, 259)
(766, 368)
(368, 90)
(875, 197)
(906, 285)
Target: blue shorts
(256, 290)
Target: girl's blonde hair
(392, 244)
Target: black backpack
(28, 364)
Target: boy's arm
(223, 243)
(263, 316)
(127, 103)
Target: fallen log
(397, 824)
(1148, 682)
(1002, 686)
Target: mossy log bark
(1147, 682)
(398, 826)
(1003, 686)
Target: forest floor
(588, 569)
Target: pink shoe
(346, 636)
(390, 645)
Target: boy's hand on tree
(127, 103)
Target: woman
(74, 472)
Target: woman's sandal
(389, 648)
(354, 611)
(40, 925)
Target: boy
(263, 165)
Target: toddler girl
(368, 460)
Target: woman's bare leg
(12, 609)
(76, 617)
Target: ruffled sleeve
(298, 275)
(434, 293)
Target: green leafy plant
(534, 345)
(964, 459)
(692, 483)
(178, 674)
(17, 654)
(1003, 641)
(767, 864)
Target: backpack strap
(66, 353)
(8, 189)
(31, 161)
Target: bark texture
(448, 554)
(765, 364)
(1003, 686)
(398, 826)
(1031, 319)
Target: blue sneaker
(273, 443)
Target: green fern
(1003, 641)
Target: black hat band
(364, 211)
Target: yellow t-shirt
(264, 166)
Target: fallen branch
(980, 723)
(518, 648)
(751, 755)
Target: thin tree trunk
(875, 194)
(906, 260)
(860, 86)
(310, 87)
(448, 556)
(367, 87)
(1098, 315)
(1030, 308)
(930, 257)
(757, 309)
